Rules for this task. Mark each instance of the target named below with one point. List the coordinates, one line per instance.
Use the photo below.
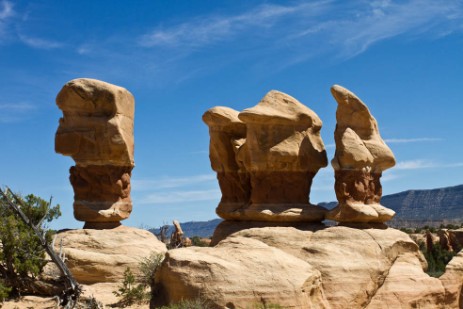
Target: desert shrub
(130, 292)
(196, 241)
(198, 303)
(148, 267)
(133, 289)
(4, 291)
(437, 259)
(22, 256)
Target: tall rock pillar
(360, 158)
(96, 130)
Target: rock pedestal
(96, 130)
(361, 157)
(265, 158)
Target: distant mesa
(360, 158)
(96, 130)
(265, 158)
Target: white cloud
(401, 141)
(187, 196)
(208, 29)
(411, 140)
(39, 42)
(6, 10)
(346, 29)
(422, 164)
(10, 112)
(18, 107)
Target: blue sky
(404, 59)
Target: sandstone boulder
(96, 130)
(360, 158)
(99, 256)
(239, 273)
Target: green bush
(196, 241)
(130, 292)
(437, 259)
(148, 267)
(4, 291)
(22, 256)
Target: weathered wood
(73, 290)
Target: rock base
(98, 256)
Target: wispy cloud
(6, 11)
(181, 196)
(401, 141)
(422, 164)
(411, 140)
(10, 112)
(171, 182)
(205, 30)
(39, 42)
(345, 28)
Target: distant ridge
(413, 208)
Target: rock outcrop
(265, 158)
(99, 256)
(97, 132)
(358, 266)
(361, 157)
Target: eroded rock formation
(361, 157)
(265, 158)
(96, 130)
(227, 136)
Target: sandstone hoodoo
(227, 135)
(96, 130)
(266, 157)
(360, 158)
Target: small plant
(130, 292)
(266, 306)
(148, 267)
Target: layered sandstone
(265, 158)
(96, 130)
(360, 158)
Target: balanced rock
(96, 130)
(361, 157)
(266, 157)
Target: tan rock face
(362, 266)
(361, 157)
(97, 132)
(97, 256)
(266, 157)
(239, 273)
